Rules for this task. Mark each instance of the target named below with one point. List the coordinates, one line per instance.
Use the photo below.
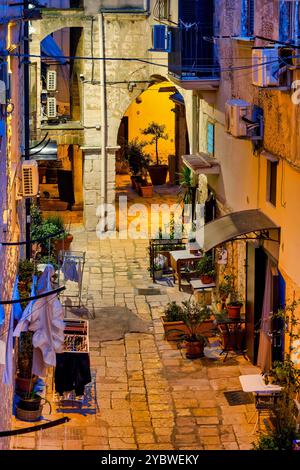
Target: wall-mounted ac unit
(161, 38)
(244, 120)
(235, 111)
(265, 66)
(51, 80)
(51, 107)
(30, 178)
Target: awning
(177, 98)
(44, 152)
(50, 49)
(202, 163)
(237, 226)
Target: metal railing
(193, 53)
(161, 10)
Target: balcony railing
(193, 54)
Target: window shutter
(210, 138)
(159, 37)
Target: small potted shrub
(234, 306)
(172, 319)
(158, 271)
(206, 269)
(194, 315)
(226, 287)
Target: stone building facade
(106, 87)
(244, 179)
(11, 208)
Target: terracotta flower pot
(206, 279)
(146, 191)
(194, 349)
(234, 311)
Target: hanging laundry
(17, 309)
(69, 270)
(72, 372)
(2, 315)
(45, 318)
(8, 370)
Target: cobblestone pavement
(150, 396)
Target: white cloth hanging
(69, 270)
(45, 319)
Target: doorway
(256, 264)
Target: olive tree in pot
(158, 172)
(193, 316)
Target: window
(247, 19)
(289, 21)
(161, 9)
(272, 182)
(210, 138)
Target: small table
(255, 384)
(232, 328)
(179, 259)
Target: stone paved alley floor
(150, 396)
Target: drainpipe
(26, 121)
(103, 192)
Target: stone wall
(11, 211)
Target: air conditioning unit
(30, 178)
(161, 38)
(265, 66)
(235, 113)
(51, 107)
(2, 92)
(51, 80)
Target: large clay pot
(158, 174)
(234, 311)
(194, 349)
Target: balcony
(124, 6)
(192, 62)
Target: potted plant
(171, 320)
(194, 315)
(63, 241)
(234, 306)
(30, 406)
(158, 271)
(158, 172)
(145, 188)
(137, 160)
(206, 269)
(226, 287)
(25, 380)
